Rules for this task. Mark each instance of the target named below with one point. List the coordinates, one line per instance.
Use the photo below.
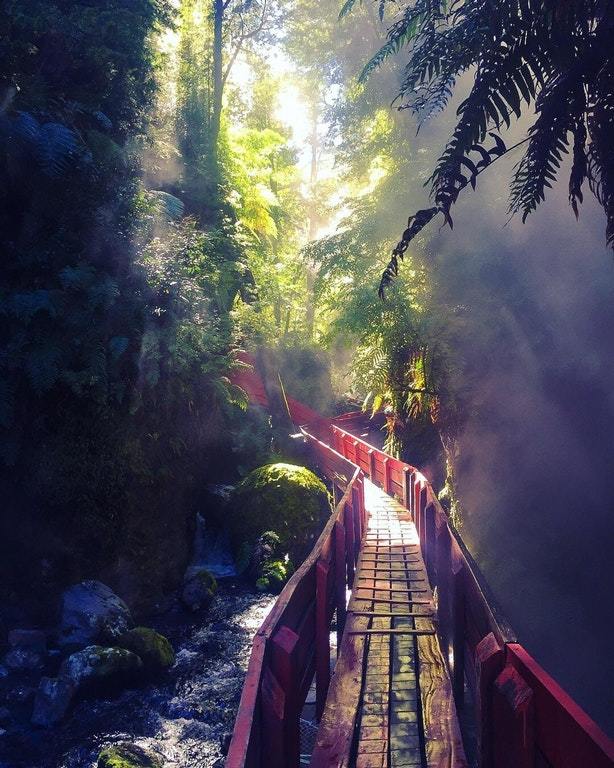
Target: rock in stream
(182, 716)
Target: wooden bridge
(420, 644)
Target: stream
(184, 715)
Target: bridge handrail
(283, 660)
(523, 717)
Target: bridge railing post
(386, 475)
(489, 661)
(429, 548)
(281, 733)
(340, 578)
(458, 631)
(350, 552)
(513, 721)
(371, 455)
(357, 517)
(322, 634)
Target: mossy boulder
(96, 669)
(275, 573)
(285, 498)
(128, 756)
(199, 589)
(150, 646)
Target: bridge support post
(350, 552)
(282, 741)
(458, 632)
(371, 455)
(386, 477)
(443, 583)
(322, 635)
(340, 582)
(514, 721)
(429, 553)
(489, 661)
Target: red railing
(523, 717)
(292, 644)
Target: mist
(535, 470)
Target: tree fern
(557, 56)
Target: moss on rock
(275, 573)
(128, 756)
(199, 589)
(153, 648)
(285, 498)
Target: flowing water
(184, 716)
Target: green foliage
(551, 56)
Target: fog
(536, 468)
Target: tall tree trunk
(312, 219)
(218, 85)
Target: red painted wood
(350, 553)
(565, 734)
(294, 632)
(489, 661)
(340, 578)
(513, 721)
(458, 632)
(285, 667)
(322, 635)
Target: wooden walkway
(412, 650)
(390, 702)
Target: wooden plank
(334, 737)
(394, 631)
(442, 740)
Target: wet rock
(154, 649)
(23, 659)
(52, 700)
(225, 740)
(199, 589)
(34, 639)
(96, 669)
(91, 611)
(20, 694)
(128, 756)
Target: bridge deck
(390, 700)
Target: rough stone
(52, 700)
(20, 694)
(128, 756)
(199, 589)
(153, 648)
(92, 611)
(96, 668)
(24, 658)
(28, 638)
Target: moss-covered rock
(97, 669)
(128, 756)
(284, 498)
(154, 649)
(275, 573)
(199, 589)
